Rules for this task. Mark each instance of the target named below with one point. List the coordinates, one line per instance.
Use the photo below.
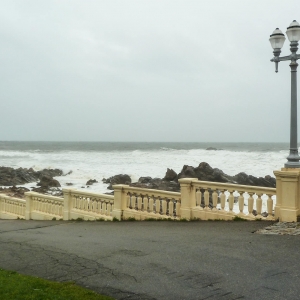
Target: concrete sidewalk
(157, 260)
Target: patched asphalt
(157, 260)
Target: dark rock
(171, 175)
(211, 148)
(53, 191)
(14, 191)
(47, 182)
(91, 182)
(117, 179)
(69, 183)
(10, 176)
(157, 184)
(145, 179)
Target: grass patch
(239, 219)
(14, 286)
(131, 219)
(115, 219)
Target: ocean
(98, 160)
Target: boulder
(47, 182)
(117, 179)
(91, 182)
(10, 176)
(171, 175)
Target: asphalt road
(157, 260)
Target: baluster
(139, 200)
(171, 208)
(75, 202)
(241, 202)
(270, 206)
(231, 201)
(198, 198)
(128, 201)
(178, 207)
(206, 200)
(150, 205)
(215, 199)
(259, 206)
(108, 209)
(133, 202)
(100, 205)
(223, 200)
(145, 205)
(250, 204)
(164, 206)
(157, 206)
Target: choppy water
(98, 160)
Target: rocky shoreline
(47, 184)
(203, 172)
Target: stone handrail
(12, 208)
(88, 205)
(140, 204)
(206, 196)
(43, 207)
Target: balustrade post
(1, 204)
(67, 204)
(120, 201)
(188, 197)
(28, 206)
(287, 194)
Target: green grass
(14, 286)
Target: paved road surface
(157, 260)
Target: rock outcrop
(203, 172)
(91, 182)
(10, 176)
(117, 179)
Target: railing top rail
(47, 197)
(91, 194)
(237, 187)
(3, 196)
(152, 192)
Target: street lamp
(277, 39)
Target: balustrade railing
(12, 208)
(221, 200)
(46, 206)
(147, 203)
(90, 205)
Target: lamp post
(277, 39)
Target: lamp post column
(293, 158)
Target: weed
(115, 219)
(239, 219)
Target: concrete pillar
(28, 206)
(188, 197)
(67, 204)
(287, 194)
(119, 201)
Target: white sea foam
(97, 165)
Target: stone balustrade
(12, 208)
(142, 204)
(210, 200)
(196, 200)
(43, 207)
(87, 205)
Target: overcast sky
(183, 71)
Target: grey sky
(144, 70)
